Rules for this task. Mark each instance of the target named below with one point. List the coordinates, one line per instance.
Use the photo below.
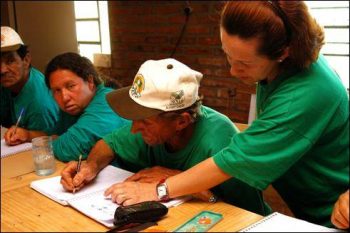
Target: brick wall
(142, 30)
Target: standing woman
(299, 142)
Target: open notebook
(11, 150)
(277, 222)
(90, 200)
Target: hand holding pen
(74, 176)
(18, 120)
(78, 169)
(16, 135)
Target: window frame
(104, 47)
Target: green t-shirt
(40, 109)
(78, 134)
(213, 131)
(299, 142)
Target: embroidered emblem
(138, 86)
(176, 100)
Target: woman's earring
(280, 60)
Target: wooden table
(23, 210)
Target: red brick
(199, 29)
(210, 60)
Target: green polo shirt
(213, 131)
(40, 109)
(299, 143)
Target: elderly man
(171, 131)
(23, 87)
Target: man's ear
(183, 121)
(27, 60)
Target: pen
(78, 168)
(17, 123)
(79, 163)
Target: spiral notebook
(90, 200)
(7, 150)
(277, 222)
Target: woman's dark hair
(278, 24)
(75, 63)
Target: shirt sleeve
(82, 135)
(130, 149)
(78, 139)
(261, 154)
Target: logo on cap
(176, 100)
(138, 86)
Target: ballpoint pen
(78, 168)
(17, 123)
(79, 163)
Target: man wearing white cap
(23, 89)
(171, 132)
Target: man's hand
(14, 137)
(340, 214)
(154, 174)
(73, 181)
(128, 193)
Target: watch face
(162, 192)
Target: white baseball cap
(10, 40)
(159, 86)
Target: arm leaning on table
(147, 191)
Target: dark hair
(75, 63)
(22, 51)
(277, 24)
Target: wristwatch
(162, 191)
